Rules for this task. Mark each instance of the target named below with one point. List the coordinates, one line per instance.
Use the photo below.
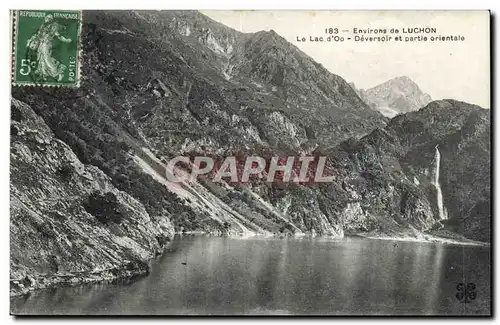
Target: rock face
(396, 96)
(67, 219)
(392, 169)
(89, 191)
(159, 84)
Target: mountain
(155, 85)
(395, 96)
(258, 85)
(158, 84)
(392, 170)
(67, 220)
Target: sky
(443, 69)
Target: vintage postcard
(250, 163)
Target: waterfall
(442, 212)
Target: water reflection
(355, 276)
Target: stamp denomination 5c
(46, 48)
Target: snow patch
(387, 111)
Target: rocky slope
(161, 84)
(392, 169)
(395, 96)
(68, 222)
(260, 87)
(170, 83)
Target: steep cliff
(392, 169)
(68, 223)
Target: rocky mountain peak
(402, 79)
(395, 96)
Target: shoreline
(134, 270)
(429, 239)
(424, 238)
(37, 282)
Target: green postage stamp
(46, 48)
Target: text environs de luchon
(404, 30)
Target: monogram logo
(466, 292)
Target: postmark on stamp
(46, 48)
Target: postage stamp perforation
(13, 45)
(32, 82)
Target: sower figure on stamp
(41, 42)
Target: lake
(291, 276)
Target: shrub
(65, 171)
(104, 207)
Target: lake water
(271, 276)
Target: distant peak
(404, 83)
(267, 32)
(402, 79)
(270, 36)
(397, 95)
